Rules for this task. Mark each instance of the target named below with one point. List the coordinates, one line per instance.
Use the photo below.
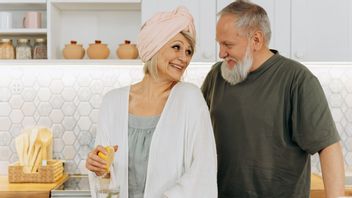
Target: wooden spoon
(34, 153)
(32, 138)
(38, 160)
(25, 142)
(45, 137)
(19, 148)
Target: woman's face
(173, 58)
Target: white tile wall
(67, 98)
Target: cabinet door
(321, 30)
(279, 16)
(204, 17)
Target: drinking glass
(106, 188)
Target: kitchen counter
(36, 190)
(317, 187)
(28, 190)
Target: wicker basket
(46, 174)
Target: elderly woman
(162, 126)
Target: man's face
(235, 49)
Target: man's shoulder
(211, 77)
(214, 70)
(292, 66)
(216, 66)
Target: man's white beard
(240, 71)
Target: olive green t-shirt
(266, 128)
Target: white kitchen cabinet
(18, 10)
(111, 21)
(321, 30)
(204, 13)
(314, 30)
(279, 16)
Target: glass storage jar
(40, 49)
(23, 49)
(7, 51)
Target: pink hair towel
(162, 27)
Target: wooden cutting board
(27, 190)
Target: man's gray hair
(250, 17)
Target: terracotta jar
(127, 50)
(73, 51)
(98, 50)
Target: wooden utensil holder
(46, 174)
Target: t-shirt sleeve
(313, 125)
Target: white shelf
(95, 1)
(80, 20)
(97, 4)
(130, 63)
(111, 62)
(23, 1)
(23, 31)
(85, 26)
(23, 5)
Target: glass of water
(105, 188)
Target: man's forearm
(332, 166)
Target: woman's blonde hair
(151, 66)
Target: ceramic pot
(127, 50)
(98, 50)
(73, 51)
(32, 20)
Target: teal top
(140, 132)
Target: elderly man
(269, 114)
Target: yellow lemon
(109, 157)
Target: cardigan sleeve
(101, 138)
(200, 176)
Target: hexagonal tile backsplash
(67, 99)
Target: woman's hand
(94, 163)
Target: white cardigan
(182, 161)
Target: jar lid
(39, 40)
(23, 40)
